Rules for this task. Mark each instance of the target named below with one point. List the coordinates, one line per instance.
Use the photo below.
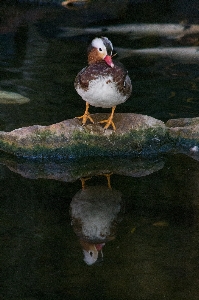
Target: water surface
(153, 252)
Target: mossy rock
(135, 135)
(184, 132)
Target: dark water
(154, 253)
(151, 251)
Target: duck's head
(92, 252)
(100, 49)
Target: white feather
(98, 43)
(102, 92)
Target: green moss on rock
(184, 132)
(135, 135)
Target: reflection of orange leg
(83, 181)
(109, 121)
(108, 177)
(86, 115)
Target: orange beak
(109, 61)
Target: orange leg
(86, 115)
(109, 121)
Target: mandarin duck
(95, 212)
(102, 83)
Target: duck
(103, 83)
(95, 213)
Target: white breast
(102, 92)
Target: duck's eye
(91, 253)
(100, 49)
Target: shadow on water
(139, 218)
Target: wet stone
(135, 135)
(184, 132)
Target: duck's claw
(109, 121)
(85, 117)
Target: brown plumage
(102, 83)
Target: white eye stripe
(98, 43)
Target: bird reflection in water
(95, 211)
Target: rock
(182, 122)
(72, 170)
(184, 132)
(135, 135)
(12, 98)
(141, 29)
